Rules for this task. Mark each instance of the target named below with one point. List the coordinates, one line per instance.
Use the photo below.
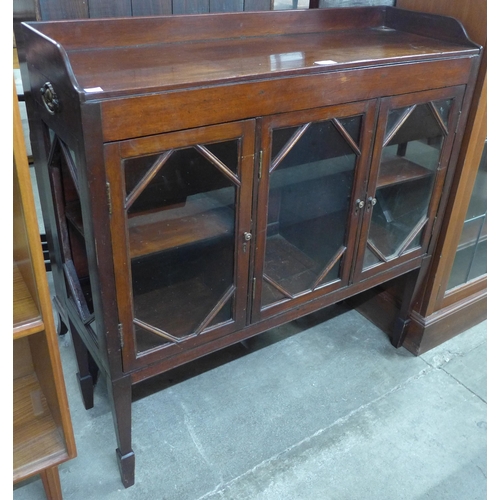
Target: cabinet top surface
(110, 57)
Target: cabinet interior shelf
(169, 229)
(26, 317)
(74, 216)
(37, 438)
(398, 170)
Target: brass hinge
(253, 288)
(260, 164)
(108, 196)
(120, 333)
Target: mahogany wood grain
(83, 376)
(203, 225)
(186, 81)
(398, 170)
(472, 287)
(471, 13)
(449, 321)
(159, 66)
(87, 34)
(263, 98)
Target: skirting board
(424, 333)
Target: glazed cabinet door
(180, 213)
(313, 177)
(414, 138)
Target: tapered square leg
(120, 392)
(84, 375)
(403, 319)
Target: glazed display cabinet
(207, 178)
(453, 296)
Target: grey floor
(323, 408)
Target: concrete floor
(323, 408)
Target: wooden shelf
(300, 272)
(155, 232)
(398, 170)
(26, 317)
(42, 430)
(74, 216)
(37, 438)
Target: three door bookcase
(207, 178)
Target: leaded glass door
(411, 154)
(313, 172)
(181, 206)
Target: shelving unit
(42, 430)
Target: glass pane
(443, 108)
(64, 184)
(471, 256)
(410, 157)
(478, 267)
(352, 125)
(395, 115)
(478, 200)
(309, 198)
(181, 221)
(270, 294)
